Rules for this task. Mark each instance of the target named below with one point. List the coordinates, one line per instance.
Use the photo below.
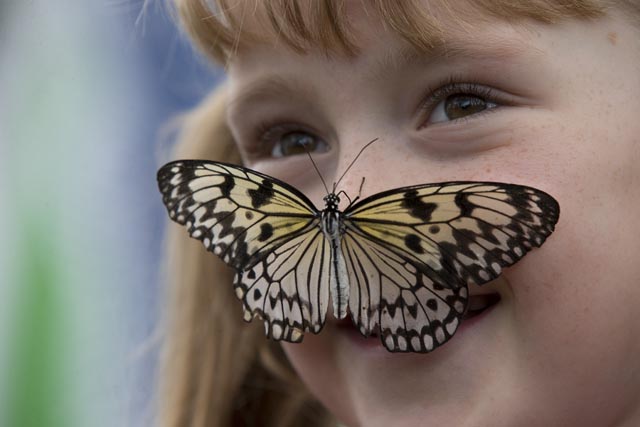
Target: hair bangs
(218, 27)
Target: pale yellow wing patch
(237, 213)
(457, 233)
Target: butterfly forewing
(238, 214)
(457, 234)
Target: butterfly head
(331, 201)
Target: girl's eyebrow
(264, 88)
(485, 48)
(485, 51)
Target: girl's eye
(459, 106)
(459, 101)
(294, 143)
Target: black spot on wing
(416, 207)
(466, 207)
(266, 231)
(226, 225)
(241, 254)
(411, 308)
(262, 194)
(227, 186)
(412, 242)
(274, 300)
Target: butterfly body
(398, 262)
(333, 229)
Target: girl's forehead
(338, 26)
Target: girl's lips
(480, 303)
(479, 307)
(346, 328)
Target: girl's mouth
(480, 303)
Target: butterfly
(399, 262)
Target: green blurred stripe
(38, 370)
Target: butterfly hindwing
(289, 288)
(457, 234)
(390, 297)
(237, 213)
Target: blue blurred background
(85, 87)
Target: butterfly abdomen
(331, 223)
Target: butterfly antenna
(360, 190)
(354, 160)
(316, 168)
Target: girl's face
(549, 106)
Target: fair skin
(561, 347)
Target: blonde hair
(217, 370)
(322, 24)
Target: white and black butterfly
(399, 261)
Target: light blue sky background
(84, 87)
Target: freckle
(613, 37)
(488, 170)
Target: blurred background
(85, 88)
